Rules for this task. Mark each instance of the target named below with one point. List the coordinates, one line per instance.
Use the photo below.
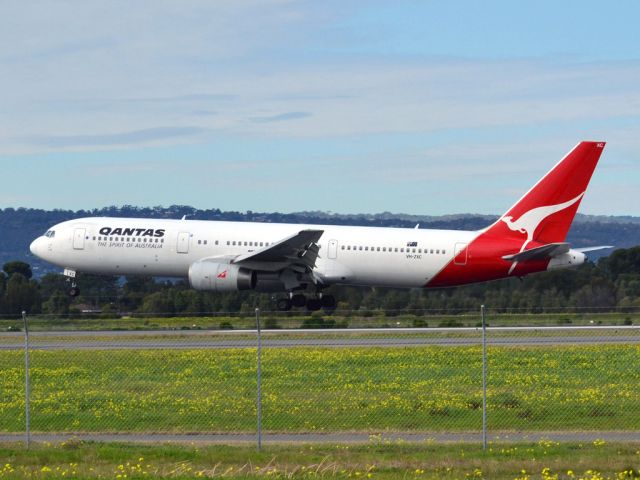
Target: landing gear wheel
(283, 304)
(74, 291)
(298, 300)
(314, 304)
(328, 302)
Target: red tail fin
(545, 212)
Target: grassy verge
(306, 389)
(543, 460)
(344, 319)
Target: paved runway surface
(141, 340)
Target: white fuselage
(397, 257)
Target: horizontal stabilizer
(539, 253)
(593, 249)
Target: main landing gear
(328, 302)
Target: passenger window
(216, 242)
(234, 243)
(261, 244)
(342, 248)
(199, 242)
(438, 252)
(349, 247)
(431, 251)
(378, 249)
(402, 250)
(444, 252)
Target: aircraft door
(78, 239)
(183, 242)
(460, 254)
(333, 249)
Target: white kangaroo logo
(529, 221)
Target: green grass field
(544, 460)
(308, 389)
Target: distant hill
(18, 227)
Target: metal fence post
(484, 377)
(27, 383)
(259, 372)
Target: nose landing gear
(74, 291)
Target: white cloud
(116, 75)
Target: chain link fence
(550, 380)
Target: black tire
(74, 291)
(283, 304)
(328, 302)
(314, 304)
(298, 300)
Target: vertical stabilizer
(545, 212)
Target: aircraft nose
(36, 246)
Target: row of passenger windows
(247, 244)
(238, 243)
(127, 239)
(360, 248)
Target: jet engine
(220, 277)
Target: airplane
(296, 259)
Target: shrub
(419, 323)
(271, 323)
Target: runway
(334, 338)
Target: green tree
(51, 283)
(57, 304)
(18, 267)
(157, 303)
(21, 295)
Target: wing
(297, 253)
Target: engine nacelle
(571, 259)
(220, 277)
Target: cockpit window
(50, 234)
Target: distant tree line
(613, 281)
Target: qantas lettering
(130, 232)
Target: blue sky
(414, 107)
